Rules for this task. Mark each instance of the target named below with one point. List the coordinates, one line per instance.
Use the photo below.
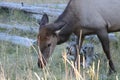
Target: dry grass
(20, 63)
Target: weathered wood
(31, 9)
(24, 41)
(94, 38)
(20, 27)
(56, 6)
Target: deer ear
(44, 20)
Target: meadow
(20, 62)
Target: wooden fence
(53, 10)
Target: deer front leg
(103, 36)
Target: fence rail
(24, 41)
(53, 12)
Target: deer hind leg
(103, 36)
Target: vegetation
(20, 63)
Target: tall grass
(20, 63)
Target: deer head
(47, 39)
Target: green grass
(16, 17)
(20, 63)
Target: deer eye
(49, 44)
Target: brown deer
(98, 17)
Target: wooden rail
(32, 9)
(24, 41)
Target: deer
(98, 17)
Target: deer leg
(103, 36)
